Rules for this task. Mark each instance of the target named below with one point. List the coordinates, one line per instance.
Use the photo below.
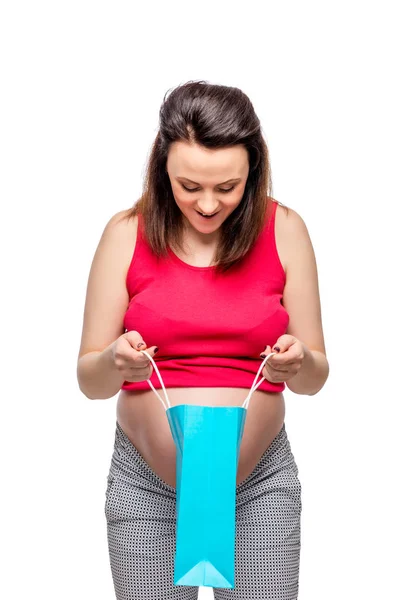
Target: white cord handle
(245, 403)
(254, 387)
(161, 381)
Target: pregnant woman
(209, 275)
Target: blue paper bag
(207, 440)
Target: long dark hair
(215, 116)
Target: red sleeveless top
(210, 328)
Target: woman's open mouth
(207, 216)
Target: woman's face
(207, 181)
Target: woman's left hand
(287, 362)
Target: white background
(82, 83)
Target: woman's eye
(196, 189)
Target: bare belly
(142, 417)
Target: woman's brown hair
(214, 116)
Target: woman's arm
(312, 375)
(302, 301)
(106, 302)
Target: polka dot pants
(141, 518)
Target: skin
(205, 171)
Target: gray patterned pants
(140, 515)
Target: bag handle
(161, 381)
(254, 387)
(245, 403)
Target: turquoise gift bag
(207, 440)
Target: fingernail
(263, 355)
(140, 344)
(155, 350)
(277, 348)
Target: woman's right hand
(129, 359)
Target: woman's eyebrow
(195, 182)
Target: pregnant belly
(142, 417)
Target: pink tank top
(210, 328)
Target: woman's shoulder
(288, 221)
(290, 233)
(121, 234)
(124, 220)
